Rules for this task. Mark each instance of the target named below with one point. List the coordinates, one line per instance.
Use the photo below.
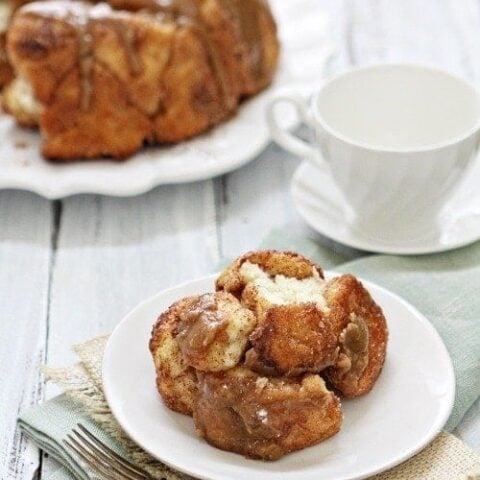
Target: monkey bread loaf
(101, 80)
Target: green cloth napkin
(48, 424)
(444, 287)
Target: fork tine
(101, 464)
(91, 463)
(86, 452)
(108, 453)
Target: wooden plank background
(72, 269)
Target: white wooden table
(72, 269)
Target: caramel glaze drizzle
(199, 326)
(86, 64)
(189, 12)
(246, 11)
(81, 16)
(183, 11)
(128, 38)
(249, 18)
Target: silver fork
(102, 459)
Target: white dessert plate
(223, 149)
(323, 207)
(408, 407)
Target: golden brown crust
(295, 339)
(68, 133)
(6, 71)
(205, 333)
(363, 334)
(89, 112)
(109, 81)
(7, 7)
(273, 262)
(264, 418)
(45, 58)
(256, 364)
(191, 98)
(176, 381)
(270, 47)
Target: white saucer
(409, 404)
(323, 207)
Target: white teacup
(396, 139)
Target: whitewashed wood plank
(114, 253)
(25, 254)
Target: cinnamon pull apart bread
(102, 82)
(250, 361)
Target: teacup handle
(283, 137)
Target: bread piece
(362, 332)
(176, 381)
(264, 291)
(295, 339)
(212, 332)
(272, 262)
(264, 418)
(206, 332)
(285, 290)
